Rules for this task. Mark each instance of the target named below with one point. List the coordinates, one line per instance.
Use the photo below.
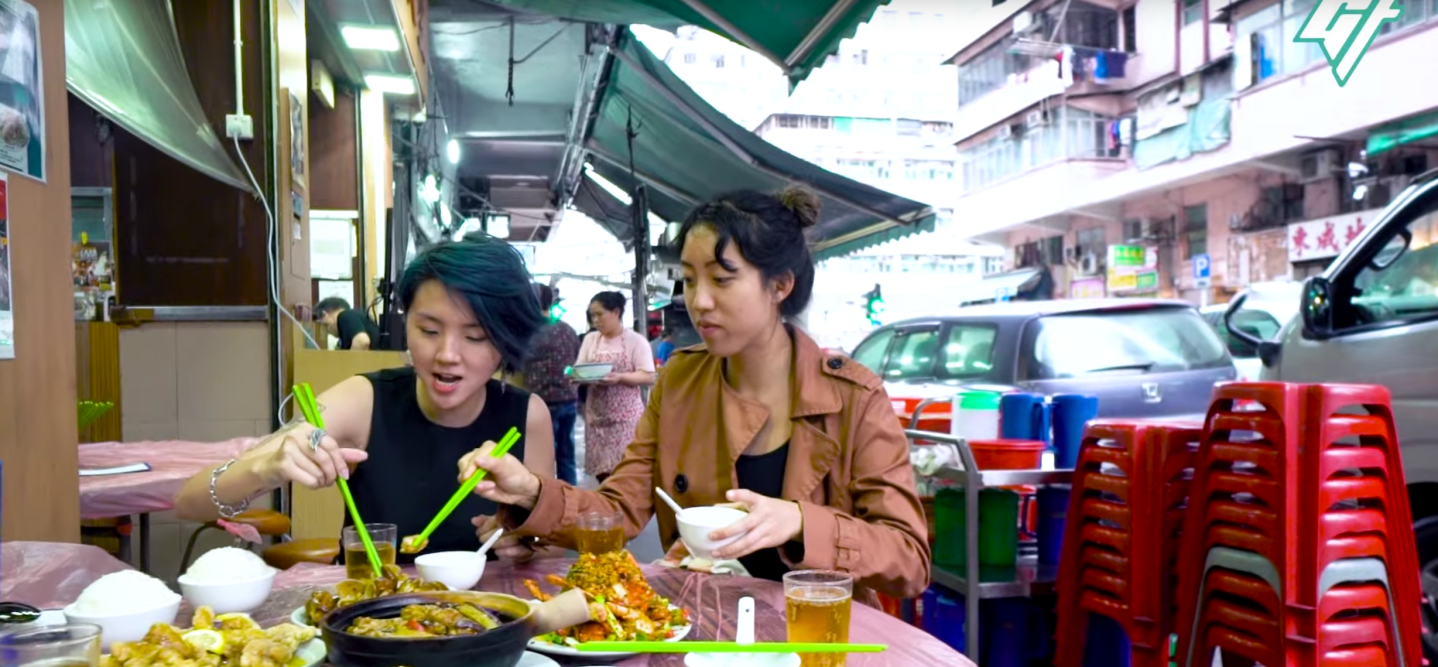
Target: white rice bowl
(123, 592)
(227, 565)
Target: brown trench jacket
(848, 466)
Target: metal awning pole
(739, 35)
(820, 29)
(652, 180)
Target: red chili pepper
(414, 625)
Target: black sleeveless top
(413, 462)
(763, 474)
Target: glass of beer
(599, 532)
(70, 645)
(386, 542)
(816, 604)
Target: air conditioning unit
(1036, 119)
(1319, 165)
(1006, 132)
(1089, 266)
(1024, 22)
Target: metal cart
(1006, 582)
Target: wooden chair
(268, 523)
(285, 555)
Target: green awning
(841, 248)
(687, 152)
(1402, 132)
(797, 35)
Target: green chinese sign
(1125, 255)
(1147, 281)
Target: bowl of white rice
(124, 604)
(229, 580)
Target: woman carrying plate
(805, 441)
(616, 402)
(395, 434)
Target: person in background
(805, 441)
(552, 350)
(615, 401)
(354, 328)
(666, 346)
(396, 434)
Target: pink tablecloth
(702, 596)
(172, 462)
(51, 575)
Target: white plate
(570, 652)
(313, 652)
(300, 617)
(531, 659)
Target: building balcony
(1279, 116)
(1046, 79)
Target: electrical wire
(272, 254)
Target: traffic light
(874, 305)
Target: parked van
(1266, 308)
(1372, 318)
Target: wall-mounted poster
(7, 306)
(297, 141)
(22, 94)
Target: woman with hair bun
(758, 415)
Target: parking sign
(1202, 270)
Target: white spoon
(484, 549)
(669, 501)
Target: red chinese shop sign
(1326, 237)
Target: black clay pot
(500, 647)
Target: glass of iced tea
(71, 645)
(816, 604)
(386, 541)
(599, 532)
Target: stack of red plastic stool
(1120, 547)
(1298, 550)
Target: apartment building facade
(879, 111)
(1182, 148)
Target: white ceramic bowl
(230, 596)
(127, 626)
(591, 371)
(459, 570)
(695, 524)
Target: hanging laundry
(1113, 138)
(1109, 65)
(1125, 131)
(1117, 64)
(1066, 66)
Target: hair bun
(803, 203)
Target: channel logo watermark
(1345, 29)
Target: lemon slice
(206, 640)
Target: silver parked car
(1140, 357)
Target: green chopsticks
(727, 647)
(305, 399)
(509, 439)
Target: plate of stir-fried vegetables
(622, 607)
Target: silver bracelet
(226, 511)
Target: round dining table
(52, 575)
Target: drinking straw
(728, 647)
